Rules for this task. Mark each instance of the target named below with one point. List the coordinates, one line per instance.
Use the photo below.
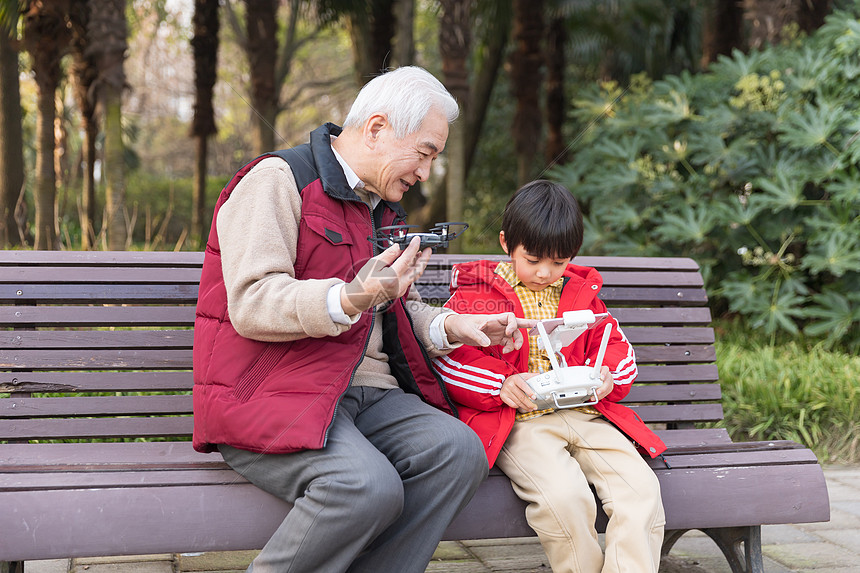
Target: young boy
(551, 456)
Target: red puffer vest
(282, 397)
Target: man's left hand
(487, 329)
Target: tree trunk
(11, 143)
(404, 38)
(371, 29)
(46, 182)
(496, 40)
(262, 55)
(556, 103)
(114, 171)
(723, 30)
(88, 193)
(84, 74)
(455, 45)
(205, 47)
(107, 29)
(526, 79)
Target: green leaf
(813, 126)
(690, 225)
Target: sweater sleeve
(473, 376)
(258, 233)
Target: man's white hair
(405, 96)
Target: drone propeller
(443, 229)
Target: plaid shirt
(538, 305)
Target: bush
(790, 391)
(752, 169)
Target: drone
(438, 236)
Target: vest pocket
(266, 361)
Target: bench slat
(184, 338)
(95, 381)
(105, 293)
(677, 413)
(94, 275)
(72, 316)
(96, 428)
(92, 339)
(680, 296)
(95, 406)
(123, 359)
(155, 381)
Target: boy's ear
(503, 243)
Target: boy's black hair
(544, 218)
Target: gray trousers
(378, 497)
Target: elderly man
(311, 350)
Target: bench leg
(11, 567)
(740, 545)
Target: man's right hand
(385, 277)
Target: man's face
(402, 162)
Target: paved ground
(832, 547)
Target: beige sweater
(258, 231)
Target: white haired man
(311, 350)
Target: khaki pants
(551, 461)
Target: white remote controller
(568, 386)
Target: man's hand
(385, 277)
(487, 329)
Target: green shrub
(752, 169)
(790, 391)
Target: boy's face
(535, 272)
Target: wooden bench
(95, 358)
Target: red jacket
(474, 375)
(282, 397)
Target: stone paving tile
(451, 551)
(47, 566)
(839, 519)
(123, 559)
(811, 556)
(772, 534)
(456, 567)
(520, 557)
(846, 538)
(216, 560)
(125, 567)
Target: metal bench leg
(741, 546)
(670, 538)
(11, 567)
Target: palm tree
(11, 136)
(46, 37)
(83, 74)
(108, 33)
(205, 46)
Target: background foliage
(750, 168)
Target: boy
(551, 456)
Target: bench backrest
(97, 345)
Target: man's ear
(503, 243)
(373, 127)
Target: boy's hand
(487, 329)
(517, 394)
(607, 383)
